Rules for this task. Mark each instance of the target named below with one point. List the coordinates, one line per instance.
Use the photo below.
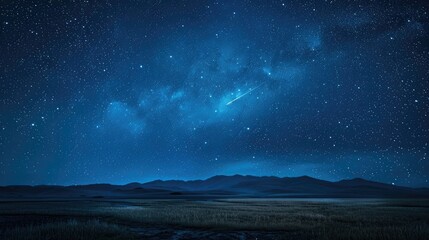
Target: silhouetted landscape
(223, 187)
(221, 207)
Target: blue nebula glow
(169, 89)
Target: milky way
(123, 91)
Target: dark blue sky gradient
(123, 91)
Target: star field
(124, 91)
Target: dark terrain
(215, 219)
(221, 207)
(222, 187)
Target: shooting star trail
(244, 94)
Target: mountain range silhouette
(222, 187)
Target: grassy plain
(216, 219)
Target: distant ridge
(221, 186)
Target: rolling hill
(222, 187)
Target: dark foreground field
(215, 219)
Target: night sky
(123, 91)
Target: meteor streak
(244, 94)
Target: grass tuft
(68, 230)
